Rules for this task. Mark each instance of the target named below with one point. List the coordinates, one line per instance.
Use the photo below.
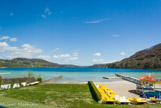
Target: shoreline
(120, 87)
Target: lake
(77, 74)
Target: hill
(145, 59)
(24, 62)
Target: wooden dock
(130, 79)
(111, 77)
(53, 80)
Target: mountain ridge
(149, 58)
(34, 62)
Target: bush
(95, 93)
(39, 79)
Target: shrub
(39, 79)
(95, 93)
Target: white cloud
(10, 52)
(43, 16)
(56, 49)
(62, 56)
(71, 59)
(13, 39)
(75, 54)
(19, 53)
(26, 51)
(11, 14)
(4, 37)
(7, 37)
(115, 35)
(97, 60)
(30, 49)
(46, 13)
(68, 57)
(122, 53)
(95, 21)
(97, 54)
(46, 57)
(5, 47)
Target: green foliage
(60, 96)
(39, 79)
(95, 93)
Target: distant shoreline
(84, 67)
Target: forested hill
(145, 59)
(24, 62)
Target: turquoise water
(77, 74)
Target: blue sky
(81, 32)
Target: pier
(111, 77)
(53, 80)
(130, 79)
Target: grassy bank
(61, 95)
(8, 102)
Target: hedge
(39, 79)
(95, 93)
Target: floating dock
(130, 79)
(111, 77)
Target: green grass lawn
(60, 95)
(15, 103)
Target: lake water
(77, 74)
